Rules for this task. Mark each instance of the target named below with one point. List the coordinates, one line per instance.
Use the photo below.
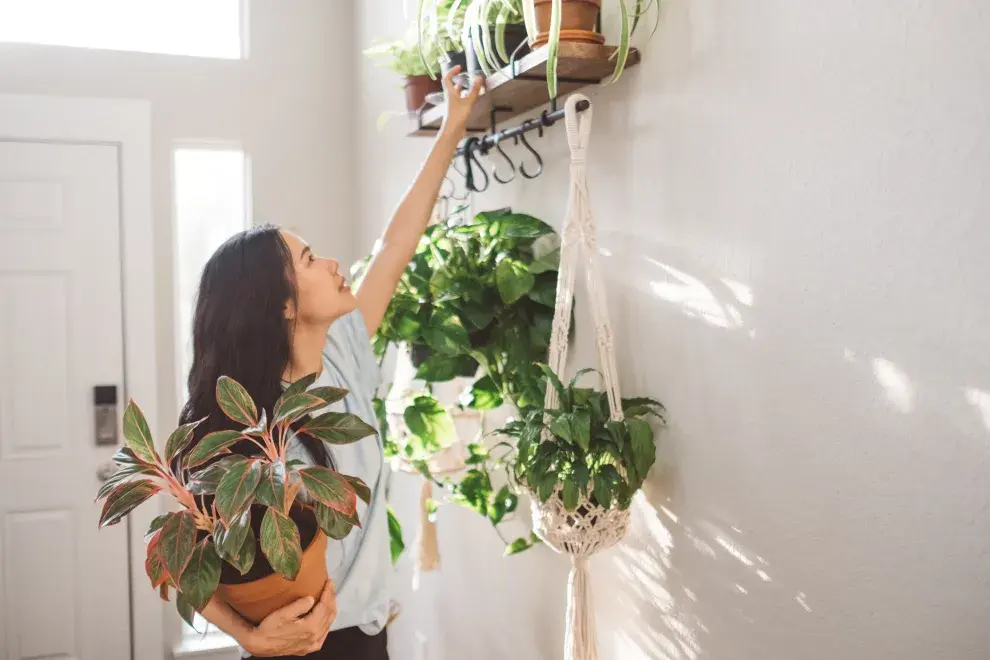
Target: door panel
(63, 582)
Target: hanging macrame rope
(590, 528)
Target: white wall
(287, 106)
(792, 205)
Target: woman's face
(321, 290)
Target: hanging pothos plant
(477, 302)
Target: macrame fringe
(580, 643)
(427, 548)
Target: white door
(64, 589)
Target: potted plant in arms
(251, 527)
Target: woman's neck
(307, 352)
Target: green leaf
(236, 489)
(446, 335)
(137, 435)
(229, 538)
(360, 488)
(504, 503)
(438, 369)
(396, 544)
(280, 543)
(427, 419)
(557, 385)
(205, 481)
(581, 475)
(186, 610)
(642, 406)
(260, 429)
(603, 490)
(122, 475)
(298, 387)
(202, 575)
(546, 263)
(520, 225)
(330, 488)
(178, 540)
(513, 279)
(337, 428)
(235, 402)
(547, 484)
(643, 447)
(329, 394)
(333, 523)
(570, 495)
(180, 439)
(574, 428)
(288, 410)
(483, 395)
(124, 498)
(519, 545)
(544, 291)
(271, 488)
(212, 445)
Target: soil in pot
(418, 88)
(579, 20)
(261, 591)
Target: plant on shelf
(245, 520)
(572, 451)
(407, 58)
(439, 30)
(576, 21)
(496, 29)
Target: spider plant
(631, 12)
(439, 28)
(486, 20)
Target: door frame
(126, 125)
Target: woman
(269, 312)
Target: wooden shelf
(578, 65)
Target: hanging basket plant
(251, 526)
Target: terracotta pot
(417, 89)
(577, 17)
(256, 600)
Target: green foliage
(403, 55)
(185, 547)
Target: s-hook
(512, 166)
(470, 155)
(539, 160)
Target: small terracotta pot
(418, 88)
(577, 17)
(256, 600)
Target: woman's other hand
(297, 629)
(458, 106)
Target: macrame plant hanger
(590, 528)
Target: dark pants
(350, 644)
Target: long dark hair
(240, 330)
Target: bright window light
(203, 28)
(211, 204)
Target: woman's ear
(290, 311)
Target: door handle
(105, 414)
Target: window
(203, 28)
(211, 204)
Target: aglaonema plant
(215, 489)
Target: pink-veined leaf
(290, 409)
(202, 575)
(205, 481)
(124, 498)
(271, 488)
(122, 475)
(329, 394)
(154, 563)
(137, 435)
(360, 488)
(180, 439)
(330, 488)
(178, 540)
(337, 428)
(333, 523)
(280, 543)
(235, 402)
(212, 445)
(236, 490)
